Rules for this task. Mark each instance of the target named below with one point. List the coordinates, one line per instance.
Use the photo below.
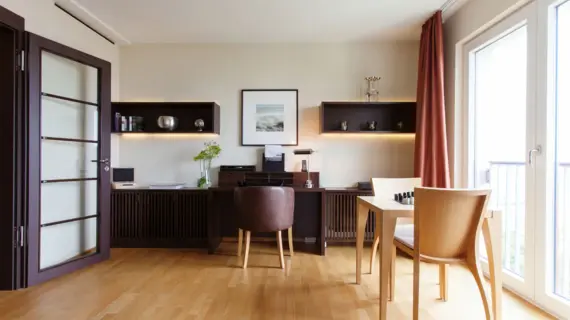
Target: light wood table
(387, 212)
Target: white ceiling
(254, 21)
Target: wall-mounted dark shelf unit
(391, 117)
(186, 113)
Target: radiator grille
(341, 218)
(159, 218)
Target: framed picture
(270, 116)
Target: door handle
(105, 161)
(537, 150)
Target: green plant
(211, 151)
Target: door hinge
(488, 176)
(22, 236)
(22, 60)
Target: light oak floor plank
(189, 284)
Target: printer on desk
(273, 159)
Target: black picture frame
(246, 141)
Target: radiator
(340, 217)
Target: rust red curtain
(431, 158)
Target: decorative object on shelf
(372, 125)
(117, 124)
(131, 124)
(308, 152)
(124, 124)
(136, 123)
(168, 123)
(199, 123)
(210, 152)
(344, 126)
(269, 117)
(372, 90)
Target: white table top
(386, 204)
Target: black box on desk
(273, 166)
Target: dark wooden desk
(200, 218)
(308, 225)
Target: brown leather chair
(264, 209)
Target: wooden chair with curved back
(386, 188)
(446, 223)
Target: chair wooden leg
(392, 274)
(416, 312)
(474, 268)
(240, 240)
(280, 245)
(290, 234)
(246, 256)
(443, 281)
(374, 250)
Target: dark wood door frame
(36, 45)
(9, 18)
(12, 164)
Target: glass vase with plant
(210, 152)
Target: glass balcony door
(553, 188)
(501, 90)
(516, 85)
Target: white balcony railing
(507, 180)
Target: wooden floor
(184, 284)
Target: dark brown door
(69, 152)
(11, 163)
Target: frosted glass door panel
(66, 242)
(68, 78)
(70, 171)
(71, 120)
(68, 200)
(68, 160)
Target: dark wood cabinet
(159, 218)
(203, 218)
(390, 117)
(186, 113)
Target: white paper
(273, 152)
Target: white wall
(321, 72)
(470, 20)
(45, 19)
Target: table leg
(492, 234)
(361, 218)
(386, 223)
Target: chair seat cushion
(405, 235)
